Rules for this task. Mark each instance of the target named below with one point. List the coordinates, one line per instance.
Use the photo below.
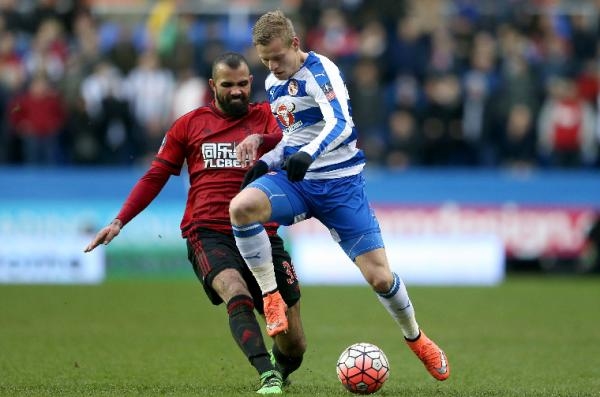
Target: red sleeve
(142, 194)
(273, 133)
(270, 141)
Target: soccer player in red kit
(219, 142)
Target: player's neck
(301, 59)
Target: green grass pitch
(531, 336)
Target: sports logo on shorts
(293, 87)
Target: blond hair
(273, 25)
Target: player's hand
(297, 165)
(257, 170)
(105, 235)
(246, 150)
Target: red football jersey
(205, 139)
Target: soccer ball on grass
(363, 368)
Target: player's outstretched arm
(142, 194)
(105, 235)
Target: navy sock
(246, 332)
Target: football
(363, 368)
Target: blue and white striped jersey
(312, 108)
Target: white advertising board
(49, 260)
(422, 260)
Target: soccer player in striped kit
(316, 171)
(218, 142)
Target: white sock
(397, 303)
(255, 247)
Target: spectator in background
(48, 52)
(209, 42)
(588, 85)
(517, 149)
(161, 26)
(443, 140)
(372, 41)
(38, 117)
(519, 83)
(583, 38)
(12, 70)
(122, 52)
(369, 108)
(404, 142)
(12, 79)
(480, 82)
(84, 144)
(45, 10)
(554, 50)
(334, 38)
(518, 86)
(463, 29)
(85, 43)
(12, 19)
(109, 112)
(442, 53)
(149, 91)
(191, 92)
(408, 50)
(405, 92)
(566, 133)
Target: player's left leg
(220, 269)
(392, 293)
(288, 349)
(354, 225)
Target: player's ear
(250, 78)
(211, 84)
(295, 43)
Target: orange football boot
(275, 317)
(431, 355)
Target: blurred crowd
(432, 82)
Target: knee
(229, 283)
(237, 210)
(243, 209)
(381, 282)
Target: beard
(233, 108)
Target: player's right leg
(248, 210)
(217, 264)
(269, 198)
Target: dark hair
(231, 59)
